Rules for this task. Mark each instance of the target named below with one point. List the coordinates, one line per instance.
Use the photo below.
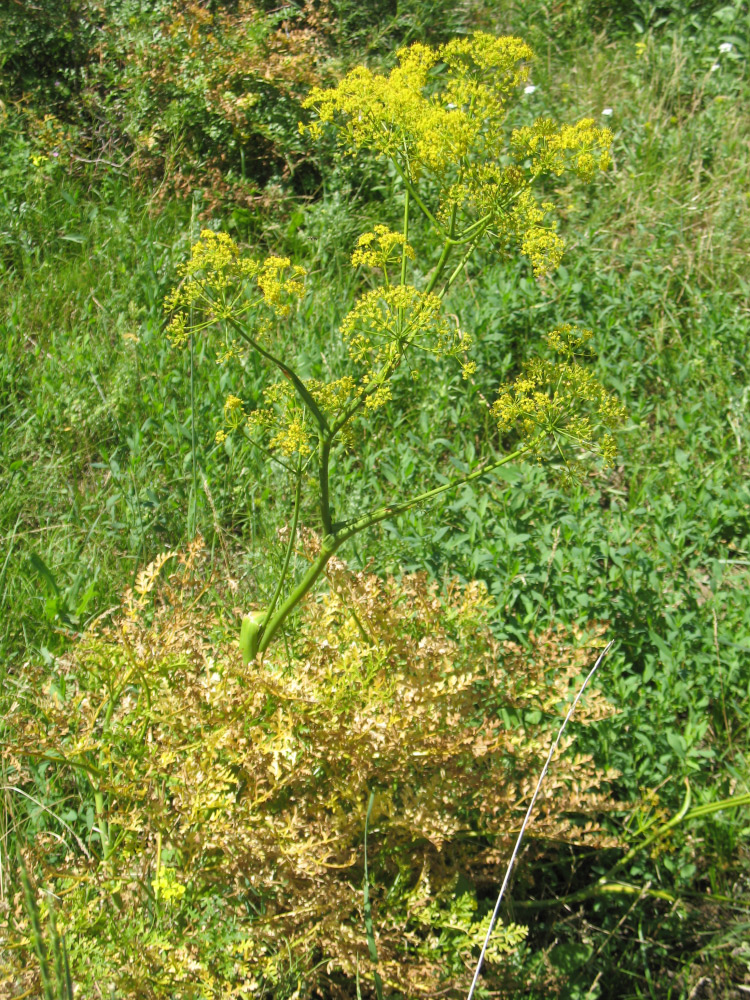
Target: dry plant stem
(527, 817)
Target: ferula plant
(440, 117)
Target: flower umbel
(219, 283)
(561, 401)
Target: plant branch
(324, 455)
(289, 550)
(415, 195)
(353, 527)
(310, 578)
(288, 372)
(604, 885)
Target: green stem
(324, 454)
(734, 802)
(603, 885)
(674, 821)
(601, 888)
(406, 237)
(287, 554)
(269, 454)
(460, 266)
(468, 233)
(284, 368)
(347, 530)
(415, 195)
(350, 528)
(403, 256)
(310, 578)
(439, 267)
(103, 825)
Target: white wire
(513, 856)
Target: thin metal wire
(513, 856)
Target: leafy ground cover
(107, 438)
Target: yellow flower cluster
(569, 340)
(166, 885)
(281, 281)
(544, 248)
(551, 149)
(234, 416)
(283, 418)
(443, 111)
(282, 415)
(402, 117)
(376, 249)
(215, 286)
(332, 397)
(386, 323)
(561, 400)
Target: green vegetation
(202, 822)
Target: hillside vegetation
(333, 817)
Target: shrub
(213, 94)
(43, 46)
(226, 804)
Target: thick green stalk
(348, 529)
(308, 581)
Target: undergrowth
(217, 809)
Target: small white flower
(726, 47)
(451, 107)
(715, 67)
(607, 112)
(530, 89)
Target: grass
(98, 456)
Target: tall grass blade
(36, 931)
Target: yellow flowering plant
(440, 117)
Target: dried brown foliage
(249, 785)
